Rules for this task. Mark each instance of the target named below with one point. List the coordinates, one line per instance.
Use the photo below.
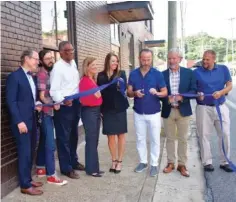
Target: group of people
(29, 87)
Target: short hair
(146, 50)
(177, 51)
(87, 61)
(212, 52)
(26, 53)
(42, 53)
(62, 45)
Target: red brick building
(94, 28)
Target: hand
(138, 93)
(201, 96)
(153, 91)
(97, 94)
(171, 99)
(22, 128)
(56, 106)
(38, 108)
(217, 94)
(68, 103)
(179, 98)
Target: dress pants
(91, 118)
(66, 121)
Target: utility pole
(183, 13)
(232, 37)
(172, 24)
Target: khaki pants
(207, 119)
(176, 120)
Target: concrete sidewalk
(174, 187)
(127, 186)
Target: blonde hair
(87, 61)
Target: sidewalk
(174, 187)
(127, 186)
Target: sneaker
(140, 168)
(41, 172)
(153, 171)
(55, 180)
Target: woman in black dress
(113, 110)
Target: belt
(175, 107)
(210, 105)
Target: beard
(48, 67)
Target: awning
(154, 43)
(131, 11)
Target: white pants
(153, 123)
(207, 119)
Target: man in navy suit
(21, 98)
(176, 110)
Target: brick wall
(93, 31)
(20, 29)
(140, 33)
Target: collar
(27, 72)
(70, 64)
(172, 72)
(214, 68)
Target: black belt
(175, 107)
(210, 105)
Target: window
(131, 50)
(54, 24)
(114, 32)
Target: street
(221, 186)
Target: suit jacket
(20, 99)
(113, 100)
(187, 84)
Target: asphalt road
(221, 186)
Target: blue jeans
(46, 148)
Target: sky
(201, 16)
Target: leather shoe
(226, 168)
(36, 184)
(183, 170)
(31, 191)
(72, 174)
(169, 168)
(209, 168)
(79, 166)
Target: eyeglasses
(69, 50)
(48, 59)
(35, 58)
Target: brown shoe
(183, 170)
(169, 168)
(72, 175)
(37, 184)
(31, 191)
(79, 166)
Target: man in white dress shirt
(64, 80)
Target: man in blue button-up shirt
(146, 85)
(216, 80)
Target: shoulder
(165, 71)
(224, 67)
(134, 72)
(74, 63)
(101, 74)
(156, 72)
(186, 70)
